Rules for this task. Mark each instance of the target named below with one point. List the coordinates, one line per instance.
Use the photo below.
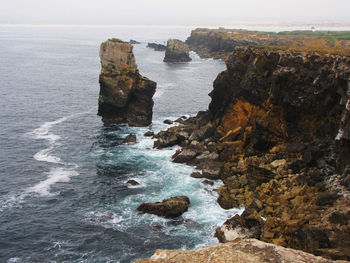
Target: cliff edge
(277, 135)
(246, 250)
(125, 96)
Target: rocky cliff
(215, 43)
(219, 43)
(276, 134)
(125, 95)
(176, 51)
(247, 251)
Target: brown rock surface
(170, 208)
(272, 122)
(246, 250)
(177, 51)
(125, 95)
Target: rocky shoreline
(275, 134)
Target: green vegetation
(332, 36)
(325, 50)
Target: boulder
(241, 250)
(169, 208)
(248, 225)
(184, 156)
(125, 96)
(149, 134)
(131, 138)
(132, 182)
(177, 51)
(169, 122)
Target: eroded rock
(125, 95)
(177, 51)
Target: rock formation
(176, 51)
(219, 43)
(246, 250)
(170, 208)
(156, 47)
(125, 95)
(273, 134)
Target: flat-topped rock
(170, 208)
(177, 51)
(246, 250)
(125, 95)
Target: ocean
(63, 191)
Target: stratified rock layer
(176, 51)
(125, 95)
(276, 134)
(247, 251)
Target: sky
(179, 12)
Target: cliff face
(125, 95)
(209, 43)
(218, 43)
(176, 51)
(272, 135)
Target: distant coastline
(239, 25)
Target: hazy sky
(185, 12)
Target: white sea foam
(44, 156)
(55, 175)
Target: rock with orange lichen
(275, 119)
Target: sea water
(63, 190)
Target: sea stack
(177, 51)
(125, 95)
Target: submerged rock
(149, 134)
(125, 95)
(169, 208)
(177, 51)
(131, 138)
(132, 182)
(245, 250)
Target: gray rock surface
(177, 51)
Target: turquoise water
(63, 192)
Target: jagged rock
(207, 182)
(165, 139)
(125, 95)
(176, 51)
(196, 175)
(212, 173)
(274, 126)
(240, 250)
(149, 134)
(184, 156)
(132, 182)
(169, 208)
(169, 122)
(134, 42)
(156, 47)
(248, 225)
(131, 138)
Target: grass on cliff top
(321, 50)
(331, 36)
